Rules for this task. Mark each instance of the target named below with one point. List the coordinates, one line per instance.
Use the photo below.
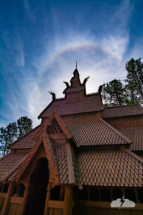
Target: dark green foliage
(134, 80)
(14, 131)
(116, 93)
(24, 125)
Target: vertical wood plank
(25, 199)
(51, 211)
(46, 211)
(58, 212)
(68, 200)
(19, 209)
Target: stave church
(79, 160)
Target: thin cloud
(20, 58)
(100, 49)
(29, 11)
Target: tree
(114, 93)
(134, 80)
(7, 136)
(24, 125)
(14, 131)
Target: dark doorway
(38, 188)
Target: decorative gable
(54, 128)
(55, 125)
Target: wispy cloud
(29, 11)
(43, 57)
(20, 58)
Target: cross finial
(76, 64)
(56, 107)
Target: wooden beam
(68, 200)
(56, 204)
(8, 197)
(3, 195)
(25, 198)
(46, 211)
(16, 200)
(70, 164)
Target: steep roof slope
(89, 130)
(136, 135)
(25, 142)
(110, 168)
(10, 162)
(89, 103)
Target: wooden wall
(82, 207)
(55, 211)
(1, 203)
(125, 122)
(56, 207)
(2, 199)
(15, 205)
(14, 209)
(104, 208)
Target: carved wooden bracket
(53, 177)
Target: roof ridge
(140, 106)
(134, 155)
(91, 94)
(24, 136)
(118, 132)
(45, 108)
(57, 99)
(122, 106)
(93, 103)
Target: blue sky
(40, 42)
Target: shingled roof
(26, 142)
(90, 103)
(89, 130)
(136, 135)
(119, 111)
(10, 163)
(62, 163)
(110, 168)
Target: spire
(75, 81)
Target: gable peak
(75, 80)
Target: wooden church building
(78, 160)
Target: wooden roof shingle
(119, 111)
(136, 135)
(90, 103)
(110, 168)
(10, 162)
(100, 132)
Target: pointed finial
(76, 64)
